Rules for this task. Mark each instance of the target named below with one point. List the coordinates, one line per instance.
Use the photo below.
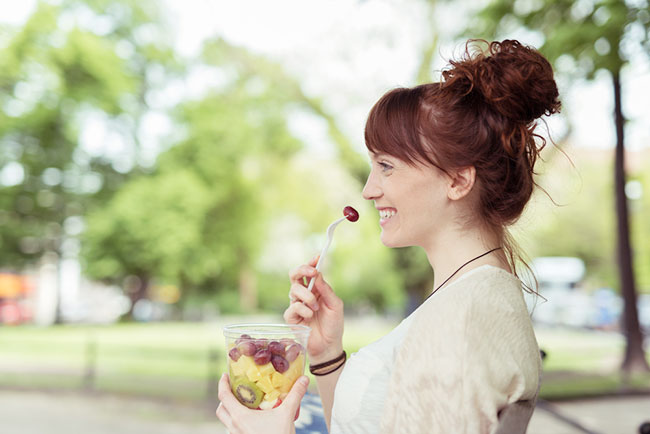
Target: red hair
(484, 114)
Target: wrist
(328, 354)
(329, 366)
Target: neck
(455, 247)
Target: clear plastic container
(264, 360)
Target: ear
(461, 182)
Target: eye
(385, 167)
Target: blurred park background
(163, 164)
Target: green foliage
(53, 77)
(132, 234)
(580, 221)
(362, 270)
(594, 34)
(581, 38)
(199, 219)
(571, 226)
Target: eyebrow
(378, 154)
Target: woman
(452, 168)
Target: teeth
(386, 214)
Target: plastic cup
(264, 361)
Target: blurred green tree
(71, 65)
(570, 227)
(198, 220)
(359, 284)
(591, 35)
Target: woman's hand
(321, 309)
(240, 419)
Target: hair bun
(513, 79)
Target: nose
(371, 190)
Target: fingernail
(304, 380)
(315, 306)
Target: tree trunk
(247, 289)
(247, 284)
(136, 293)
(634, 360)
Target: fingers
(297, 274)
(225, 395)
(327, 295)
(298, 292)
(225, 417)
(297, 313)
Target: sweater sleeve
(464, 359)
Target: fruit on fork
(350, 214)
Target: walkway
(23, 412)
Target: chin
(392, 243)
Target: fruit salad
(263, 370)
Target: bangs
(393, 126)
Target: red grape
(247, 348)
(350, 213)
(261, 343)
(292, 352)
(276, 347)
(234, 354)
(242, 338)
(262, 357)
(279, 363)
(287, 341)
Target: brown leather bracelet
(342, 356)
(328, 371)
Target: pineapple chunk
(266, 370)
(241, 366)
(236, 370)
(253, 373)
(265, 384)
(291, 375)
(295, 369)
(278, 379)
(272, 395)
(285, 388)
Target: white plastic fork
(330, 235)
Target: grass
(585, 364)
(183, 360)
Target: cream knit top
(453, 366)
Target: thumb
(292, 401)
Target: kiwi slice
(247, 392)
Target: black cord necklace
(460, 268)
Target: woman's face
(411, 200)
